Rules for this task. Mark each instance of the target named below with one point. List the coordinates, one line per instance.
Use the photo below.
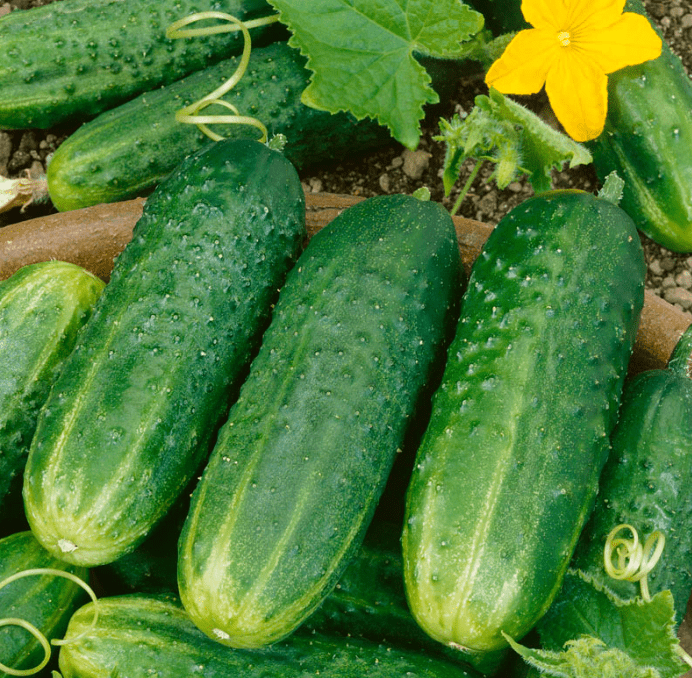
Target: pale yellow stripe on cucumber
(300, 604)
(50, 515)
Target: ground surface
(394, 170)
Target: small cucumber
(299, 466)
(42, 308)
(140, 637)
(126, 151)
(151, 376)
(647, 481)
(70, 60)
(46, 601)
(507, 470)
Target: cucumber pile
(205, 444)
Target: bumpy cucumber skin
(127, 150)
(131, 416)
(47, 601)
(507, 471)
(70, 60)
(165, 642)
(647, 483)
(647, 139)
(294, 478)
(42, 308)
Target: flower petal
(631, 40)
(523, 66)
(578, 92)
(548, 14)
(590, 15)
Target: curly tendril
(11, 621)
(192, 113)
(634, 560)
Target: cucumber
(139, 637)
(97, 163)
(42, 308)
(300, 464)
(646, 139)
(46, 601)
(369, 601)
(157, 363)
(67, 61)
(647, 481)
(507, 470)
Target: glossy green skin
(369, 601)
(646, 140)
(126, 151)
(170, 338)
(70, 60)
(145, 636)
(507, 471)
(294, 478)
(44, 600)
(647, 481)
(42, 308)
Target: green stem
(466, 187)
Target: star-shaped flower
(571, 49)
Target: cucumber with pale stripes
(42, 308)
(300, 464)
(132, 415)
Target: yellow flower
(571, 49)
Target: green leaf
(586, 657)
(360, 53)
(644, 630)
(504, 132)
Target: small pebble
(678, 296)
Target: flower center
(563, 38)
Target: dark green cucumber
(646, 139)
(647, 481)
(299, 466)
(139, 637)
(507, 470)
(70, 60)
(126, 151)
(131, 416)
(46, 601)
(42, 308)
